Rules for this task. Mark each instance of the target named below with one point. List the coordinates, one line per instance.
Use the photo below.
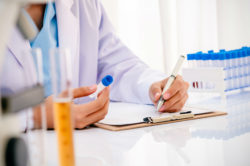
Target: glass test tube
(33, 137)
(199, 61)
(244, 52)
(190, 59)
(210, 84)
(248, 55)
(61, 81)
(244, 66)
(248, 60)
(42, 122)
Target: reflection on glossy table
(217, 141)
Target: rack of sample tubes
(221, 71)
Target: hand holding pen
(170, 95)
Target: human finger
(176, 106)
(155, 92)
(95, 105)
(99, 115)
(94, 117)
(84, 91)
(174, 88)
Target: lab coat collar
(18, 46)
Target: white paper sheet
(127, 113)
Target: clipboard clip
(182, 115)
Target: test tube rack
(214, 80)
(219, 72)
(205, 80)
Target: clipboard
(157, 120)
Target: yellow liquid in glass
(64, 129)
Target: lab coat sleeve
(132, 77)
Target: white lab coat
(84, 27)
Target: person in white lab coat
(83, 26)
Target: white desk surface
(217, 141)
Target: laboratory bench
(214, 141)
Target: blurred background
(158, 31)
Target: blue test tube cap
(234, 54)
(230, 54)
(222, 56)
(205, 56)
(248, 51)
(190, 57)
(198, 55)
(212, 56)
(227, 56)
(211, 51)
(239, 54)
(107, 80)
(244, 52)
(215, 56)
(209, 56)
(222, 50)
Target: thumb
(155, 92)
(84, 91)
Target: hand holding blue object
(106, 81)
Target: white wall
(138, 24)
(186, 26)
(233, 23)
(111, 7)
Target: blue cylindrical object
(198, 58)
(210, 51)
(191, 60)
(190, 57)
(107, 80)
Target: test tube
(205, 58)
(197, 58)
(42, 123)
(33, 137)
(215, 59)
(234, 64)
(209, 84)
(191, 60)
(248, 59)
(37, 57)
(245, 65)
(231, 69)
(248, 55)
(61, 71)
(199, 61)
(241, 62)
(227, 60)
(221, 62)
(244, 53)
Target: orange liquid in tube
(63, 125)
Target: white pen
(171, 80)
